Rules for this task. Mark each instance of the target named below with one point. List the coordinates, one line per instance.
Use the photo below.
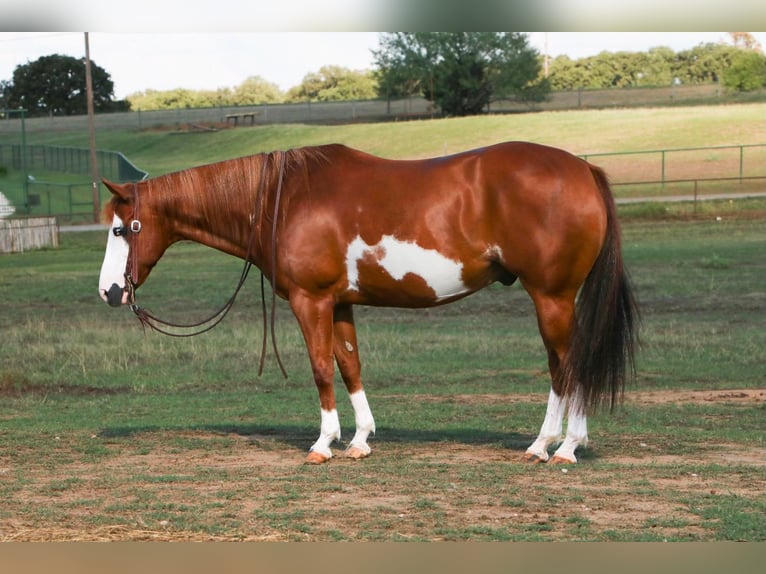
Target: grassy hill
(580, 132)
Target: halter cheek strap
(131, 268)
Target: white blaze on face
(398, 258)
(115, 260)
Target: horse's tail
(601, 353)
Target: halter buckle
(135, 226)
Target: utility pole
(92, 133)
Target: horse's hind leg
(555, 317)
(347, 356)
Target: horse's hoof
(532, 458)
(561, 460)
(357, 453)
(314, 457)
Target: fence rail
(678, 164)
(64, 159)
(694, 172)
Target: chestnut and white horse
(332, 227)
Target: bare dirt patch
(725, 396)
(188, 485)
(637, 397)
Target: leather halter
(130, 232)
(148, 319)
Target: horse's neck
(219, 211)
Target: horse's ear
(123, 191)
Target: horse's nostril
(114, 295)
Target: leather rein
(150, 320)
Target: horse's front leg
(347, 356)
(315, 316)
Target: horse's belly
(402, 273)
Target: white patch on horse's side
(399, 258)
(115, 260)
(354, 252)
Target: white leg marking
(115, 260)
(399, 258)
(550, 432)
(365, 424)
(328, 432)
(577, 429)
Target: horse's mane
(215, 191)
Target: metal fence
(48, 158)
(51, 190)
(688, 172)
(665, 166)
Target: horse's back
(459, 222)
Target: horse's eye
(119, 231)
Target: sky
(207, 61)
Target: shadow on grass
(302, 437)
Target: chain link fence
(49, 158)
(51, 191)
(363, 110)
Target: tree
(745, 40)
(746, 72)
(5, 87)
(55, 85)
(253, 91)
(703, 64)
(256, 90)
(459, 71)
(333, 83)
(656, 67)
(660, 66)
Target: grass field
(580, 132)
(109, 433)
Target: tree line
(733, 66)
(330, 83)
(460, 72)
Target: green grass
(580, 132)
(117, 433)
(607, 131)
(107, 432)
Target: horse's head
(136, 241)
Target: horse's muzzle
(114, 295)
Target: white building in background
(6, 207)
